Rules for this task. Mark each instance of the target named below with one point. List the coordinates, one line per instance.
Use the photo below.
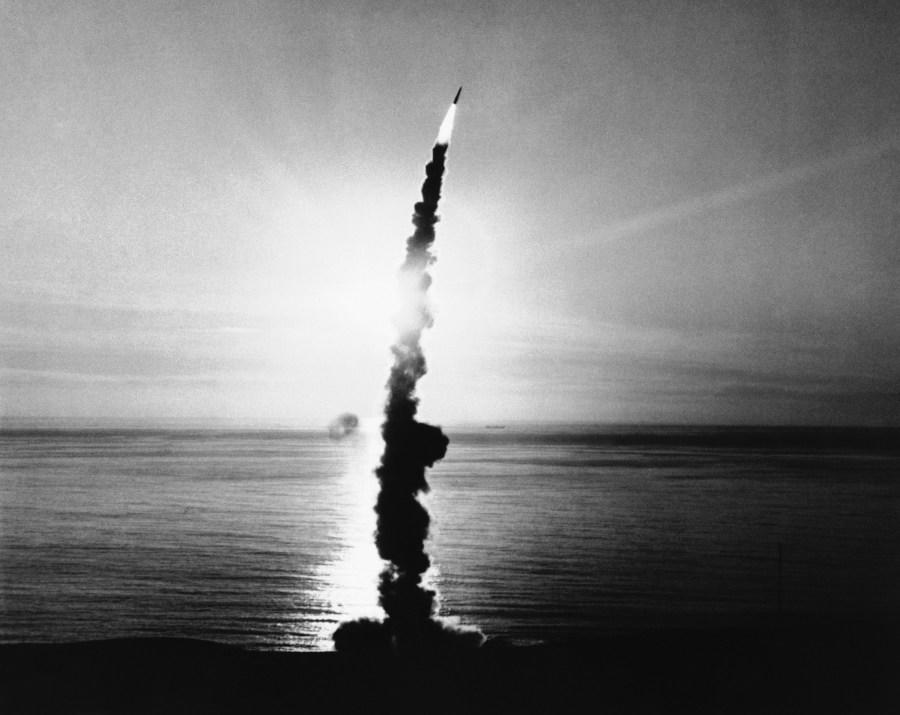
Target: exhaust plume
(410, 447)
(446, 129)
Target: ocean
(264, 538)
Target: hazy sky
(653, 211)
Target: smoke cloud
(410, 447)
(343, 425)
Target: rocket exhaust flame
(410, 447)
(446, 129)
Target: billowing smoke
(343, 425)
(410, 447)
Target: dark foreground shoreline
(808, 667)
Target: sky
(654, 212)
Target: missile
(456, 98)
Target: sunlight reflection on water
(349, 582)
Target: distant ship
(495, 426)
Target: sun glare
(366, 306)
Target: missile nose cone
(456, 98)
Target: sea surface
(264, 538)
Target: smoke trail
(410, 447)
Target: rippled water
(264, 538)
